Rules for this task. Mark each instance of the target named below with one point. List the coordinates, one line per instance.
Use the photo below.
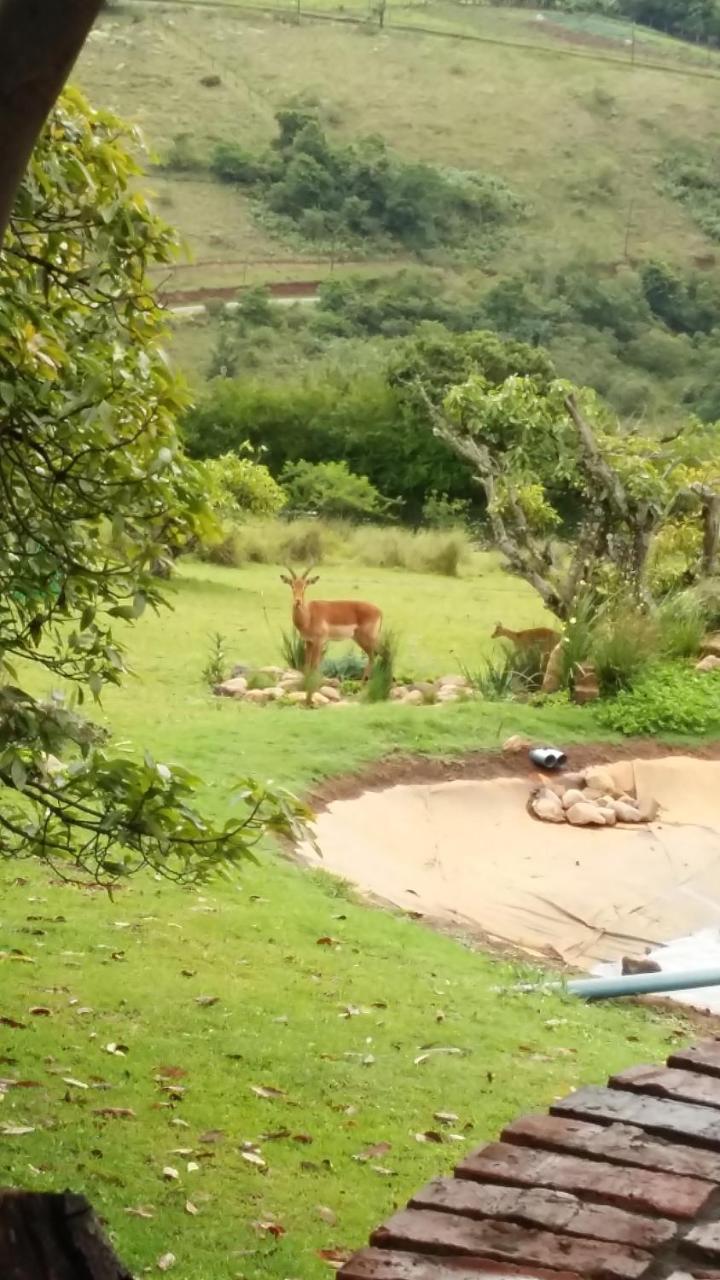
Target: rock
(648, 808)
(291, 673)
(585, 814)
(426, 688)
(572, 796)
(623, 774)
(711, 645)
(275, 672)
(710, 662)
(397, 692)
(452, 680)
(319, 700)
(275, 694)
(516, 744)
(626, 812)
(642, 964)
(600, 780)
(609, 814)
(329, 692)
(235, 687)
(259, 696)
(240, 669)
(547, 806)
(576, 780)
(296, 696)
(331, 682)
(413, 698)
(448, 693)
(552, 679)
(292, 683)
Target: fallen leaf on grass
(267, 1091)
(326, 1214)
(193, 1166)
(335, 1257)
(119, 1050)
(305, 1138)
(16, 1130)
(191, 1208)
(40, 1011)
(206, 1001)
(170, 1174)
(350, 1011)
(188, 973)
(377, 1149)
(140, 1211)
(382, 1171)
(170, 1073)
(182, 1151)
(252, 1157)
(270, 1228)
(430, 1135)
(212, 1135)
(429, 1053)
(327, 941)
(446, 1117)
(74, 1084)
(18, 1084)
(114, 1113)
(179, 1123)
(275, 1135)
(12, 1022)
(166, 1261)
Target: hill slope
(580, 137)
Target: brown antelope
(535, 638)
(323, 620)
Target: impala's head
(498, 630)
(298, 582)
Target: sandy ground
(467, 853)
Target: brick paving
(617, 1182)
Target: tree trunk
(711, 534)
(44, 1236)
(39, 40)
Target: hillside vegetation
(580, 139)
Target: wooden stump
(44, 1236)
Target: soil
(398, 769)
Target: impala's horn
(308, 570)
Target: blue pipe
(631, 984)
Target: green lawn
(335, 1026)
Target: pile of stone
(261, 685)
(281, 684)
(418, 693)
(710, 653)
(593, 797)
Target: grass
(461, 104)
(326, 1001)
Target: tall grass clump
(380, 680)
(292, 650)
(578, 637)
(680, 621)
(623, 645)
(442, 551)
(494, 680)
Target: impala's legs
(313, 654)
(368, 644)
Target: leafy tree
(237, 486)
(332, 489)
(525, 436)
(94, 489)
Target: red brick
(616, 1143)
(538, 1207)
(670, 1082)
(641, 1189)
(685, 1121)
(700, 1057)
(443, 1233)
(386, 1264)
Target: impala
(534, 638)
(322, 620)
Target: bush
(441, 512)
(344, 666)
(426, 551)
(623, 645)
(681, 625)
(668, 698)
(238, 486)
(381, 677)
(292, 650)
(332, 489)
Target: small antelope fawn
(322, 620)
(535, 638)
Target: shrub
(441, 512)
(344, 666)
(238, 486)
(440, 552)
(292, 650)
(668, 698)
(426, 551)
(381, 677)
(214, 670)
(494, 679)
(332, 489)
(624, 643)
(680, 622)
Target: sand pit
(468, 853)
